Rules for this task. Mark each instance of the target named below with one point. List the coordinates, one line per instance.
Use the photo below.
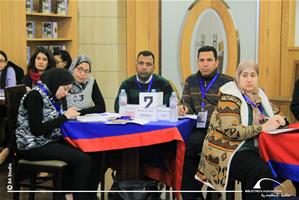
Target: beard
(143, 76)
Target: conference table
(281, 152)
(98, 136)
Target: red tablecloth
(281, 152)
(94, 136)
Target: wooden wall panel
(143, 32)
(269, 46)
(13, 31)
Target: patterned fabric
(227, 132)
(82, 99)
(192, 93)
(132, 89)
(25, 139)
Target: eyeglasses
(59, 61)
(2, 61)
(80, 69)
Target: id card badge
(201, 119)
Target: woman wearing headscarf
(40, 61)
(230, 148)
(85, 94)
(38, 127)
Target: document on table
(283, 130)
(98, 117)
(188, 116)
(126, 121)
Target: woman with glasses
(40, 61)
(7, 78)
(85, 94)
(62, 59)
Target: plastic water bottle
(153, 90)
(173, 104)
(122, 102)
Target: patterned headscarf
(79, 86)
(254, 96)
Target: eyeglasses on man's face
(81, 70)
(59, 61)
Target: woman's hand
(71, 113)
(280, 119)
(182, 110)
(272, 124)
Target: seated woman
(40, 61)
(38, 127)
(7, 79)
(230, 149)
(85, 94)
(62, 59)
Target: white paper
(283, 130)
(188, 116)
(122, 121)
(98, 117)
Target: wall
(244, 14)
(102, 36)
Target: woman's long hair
(51, 62)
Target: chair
(24, 169)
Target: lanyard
(57, 107)
(248, 100)
(149, 86)
(205, 90)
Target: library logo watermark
(268, 193)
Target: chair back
(13, 96)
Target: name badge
(202, 119)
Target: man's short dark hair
(206, 49)
(146, 53)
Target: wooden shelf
(47, 15)
(48, 39)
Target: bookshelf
(64, 21)
(13, 35)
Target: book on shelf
(57, 47)
(46, 6)
(62, 7)
(28, 53)
(54, 30)
(46, 29)
(29, 6)
(43, 46)
(30, 29)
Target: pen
(184, 107)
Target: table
(96, 136)
(281, 152)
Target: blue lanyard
(57, 107)
(149, 86)
(205, 90)
(248, 100)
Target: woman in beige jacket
(230, 148)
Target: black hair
(206, 49)
(56, 77)
(4, 71)
(65, 56)
(51, 62)
(146, 53)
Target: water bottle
(173, 104)
(122, 102)
(153, 90)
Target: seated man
(144, 81)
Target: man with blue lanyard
(144, 81)
(200, 96)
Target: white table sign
(149, 114)
(163, 113)
(130, 109)
(150, 99)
